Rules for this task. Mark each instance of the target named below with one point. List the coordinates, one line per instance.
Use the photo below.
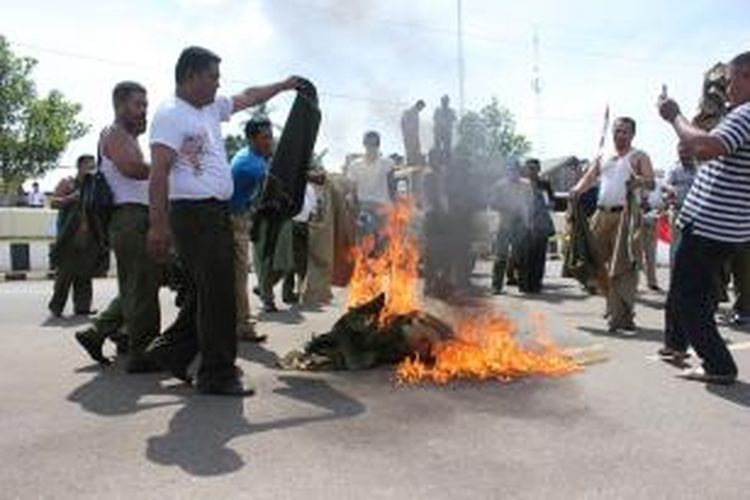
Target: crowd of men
(188, 215)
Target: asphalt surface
(624, 428)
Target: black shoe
(290, 298)
(738, 319)
(667, 353)
(270, 307)
(55, 313)
(92, 347)
(142, 365)
(233, 387)
(121, 343)
(89, 312)
(160, 355)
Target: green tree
(489, 137)
(34, 131)
(233, 143)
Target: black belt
(206, 202)
(610, 209)
(131, 206)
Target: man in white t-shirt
(190, 187)
(372, 176)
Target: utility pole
(461, 64)
(536, 87)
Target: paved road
(626, 428)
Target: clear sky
(371, 59)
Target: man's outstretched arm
(254, 96)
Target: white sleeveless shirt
(124, 189)
(614, 174)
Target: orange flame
(484, 346)
(392, 270)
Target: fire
(392, 269)
(484, 346)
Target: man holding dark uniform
(191, 184)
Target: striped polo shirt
(718, 204)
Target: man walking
(76, 252)
(715, 224)
(191, 184)
(123, 166)
(629, 170)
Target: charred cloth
(361, 339)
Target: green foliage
(233, 143)
(489, 137)
(34, 131)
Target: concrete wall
(26, 234)
(27, 223)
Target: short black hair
(741, 60)
(194, 60)
(533, 161)
(628, 120)
(421, 104)
(255, 126)
(125, 89)
(83, 158)
(371, 135)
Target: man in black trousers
(190, 187)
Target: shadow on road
(111, 392)
(198, 435)
(737, 393)
(257, 353)
(65, 321)
(651, 302)
(556, 295)
(291, 316)
(642, 335)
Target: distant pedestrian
(35, 198)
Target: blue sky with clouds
(370, 58)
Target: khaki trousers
(622, 291)
(241, 229)
(649, 242)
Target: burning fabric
(385, 324)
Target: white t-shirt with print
(201, 170)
